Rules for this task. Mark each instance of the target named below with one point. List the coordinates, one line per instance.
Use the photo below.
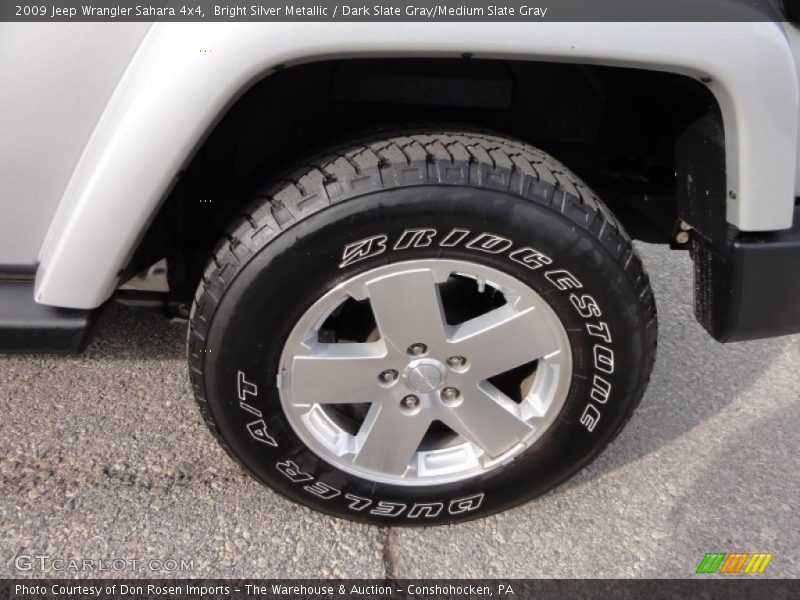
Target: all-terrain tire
(488, 200)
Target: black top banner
(402, 10)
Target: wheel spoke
(407, 308)
(504, 338)
(486, 417)
(338, 374)
(389, 438)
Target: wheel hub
(424, 375)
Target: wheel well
(615, 127)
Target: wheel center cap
(424, 375)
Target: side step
(26, 326)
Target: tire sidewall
(567, 265)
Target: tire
(383, 216)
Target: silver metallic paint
(55, 82)
(171, 93)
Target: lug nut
(388, 376)
(417, 349)
(410, 402)
(450, 393)
(456, 362)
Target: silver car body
(103, 116)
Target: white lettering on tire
(415, 238)
(563, 280)
(530, 258)
(258, 428)
(454, 238)
(490, 243)
(388, 509)
(467, 504)
(601, 390)
(322, 490)
(603, 359)
(380, 508)
(600, 330)
(362, 249)
(425, 509)
(258, 431)
(244, 389)
(585, 305)
(293, 472)
(357, 503)
(590, 417)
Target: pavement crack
(389, 563)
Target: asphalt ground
(104, 456)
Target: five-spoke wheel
(431, 411)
